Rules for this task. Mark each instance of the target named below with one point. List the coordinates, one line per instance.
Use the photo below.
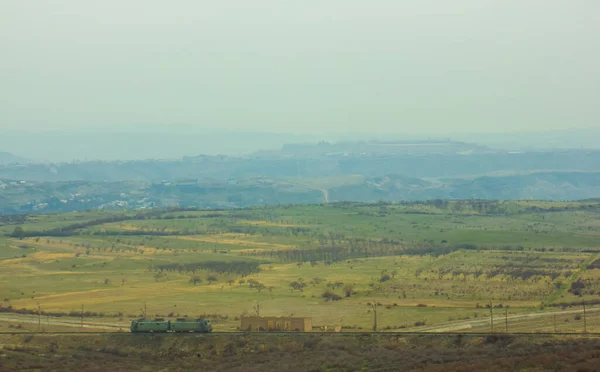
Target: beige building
(276, 324)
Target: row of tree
(331, 254)
(243, 268)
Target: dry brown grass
(265, 352)
(235, 239)
(269, 224)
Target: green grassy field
(425, 264)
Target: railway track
(444, 334)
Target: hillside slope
(72, 196)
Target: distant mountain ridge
(32, 197)
(8, 158)
(363, 171)
(534, 186)
(436, 165)
(379, 147)
(134, 144)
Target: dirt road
(464, 325)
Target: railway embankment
(299, 352)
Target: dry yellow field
(234, 239)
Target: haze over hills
(367, 171)
(59, 147)
(422, 159)
(8, 158)
(204, 98)
(153, 143)
(536, 140)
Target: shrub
(195, 279)
(348, 290)
(211, 278)
(328, 295)
(501, 340)
(298, 285)
(385, 278)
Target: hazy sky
(420, 66)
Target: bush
(18, 233)
(348, 290)
(501, 340)
(328, 295)
(385, 278)
(211, 278)
(195, 279)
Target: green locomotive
(179, 326)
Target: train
(179, 326)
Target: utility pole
(39, 311)
(144, 309)
(506, 318)
(375, 317)
(584, 318)
(257, 309)
(554, 318)
(491, 316)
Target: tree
(195, 279)
(298, 285)
(337, 285)
(18, 233)
(329, 295)
(316, 281)
(385, 278)
(159, 275)
(256, 285)
(211, 278)
(348, 290)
